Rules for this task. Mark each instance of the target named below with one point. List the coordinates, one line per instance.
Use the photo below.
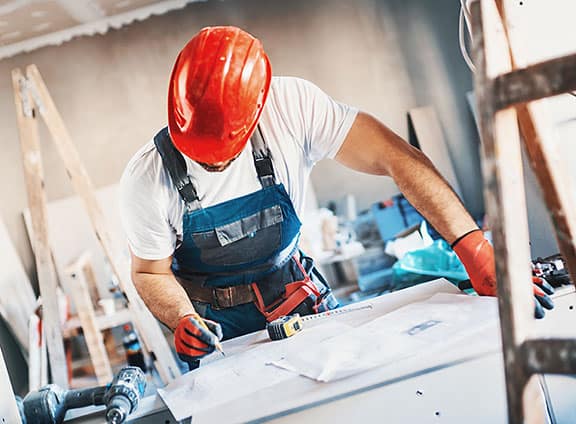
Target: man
(211, 205)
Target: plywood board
(8, 408)
(17, 301)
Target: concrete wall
(111, 89)
(440, 77)
(384, 56)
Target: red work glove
(194, 341)
(477, 256)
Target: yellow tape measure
(284, 327)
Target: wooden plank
(8, 408)
(545, 79)
(79, 288)
(38, 359)
(31, 156)
(90, 278)
(103, 322)
(504, 198)
(71, 233)
(430, 139)
(544, 355)
(108, 337)
(115, 353)
(34, 349)
(550, 356)
(146, 325)
(556, 184)
(17, 301)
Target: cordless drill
(49, 404)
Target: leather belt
(219, 297)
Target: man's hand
(477, 256)
(194, 340)
(541, 291)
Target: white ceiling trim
(92, 28)
(12, 6)
(83, 11)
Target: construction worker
(210, 205)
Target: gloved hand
(194, 340)
(477, 256)
(541, 291)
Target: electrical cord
(547, 399)
(465, 20)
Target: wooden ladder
(33, 99)
(79, 274)
(504, 93)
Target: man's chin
(214, 168)
(219, 167)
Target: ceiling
(26, 25)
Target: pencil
(217, 343)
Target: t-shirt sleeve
(144, 215)
(325, 121)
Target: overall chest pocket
(252, 238)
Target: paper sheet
(426, 325)
(229, 378)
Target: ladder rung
(550, 356)
(545, 79)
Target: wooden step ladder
(33, 100)
(504, 93)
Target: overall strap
(175, 164)
(262, 159)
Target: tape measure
(284, 327)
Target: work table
(463, 382)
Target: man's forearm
(164, 296)
(374, 148)
(431, 195)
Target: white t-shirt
(300, 124)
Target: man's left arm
(373, 148)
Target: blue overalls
(239, 260)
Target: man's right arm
(160, 291)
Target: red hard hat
(217, 91)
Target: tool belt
(295, 287)
(220, 297)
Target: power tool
(553, 269)
(49, 404)
(284, 327)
